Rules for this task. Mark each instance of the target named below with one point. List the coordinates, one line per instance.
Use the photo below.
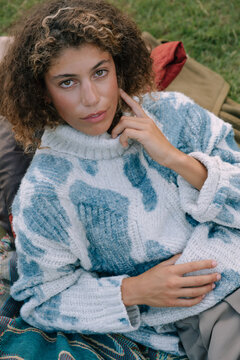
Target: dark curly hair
(52, 27)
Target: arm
(143, 129)
(209, 159)
(165, 285)
(58, 293)
(190, 169)
(209, 140)
(215, 148)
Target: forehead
(86, 56)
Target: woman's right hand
(165, 285)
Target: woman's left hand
(144, 130)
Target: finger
(136, 108)
(129, 134)
(187, 302)
(195, 266)
(170, 261)
(128, 122)
(200, 280)
(195, 291)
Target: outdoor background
(209, 29)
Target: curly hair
(40, 39)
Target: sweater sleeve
(211, 141)
(58, 293)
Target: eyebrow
(72, 75)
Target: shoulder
(166, 100)
(43, 194)
(46, 178)
(169, 108)
(187, 125)
(49, 166)
(178, 108)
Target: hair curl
(50, 29)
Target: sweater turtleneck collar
(65, 139)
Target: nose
(89, 93)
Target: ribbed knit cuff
(201, 204)
(110, 314)
(91, 305)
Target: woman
(116, 206)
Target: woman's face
(82, 85)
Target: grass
(209, 29)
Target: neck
(65, 139)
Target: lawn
(209, 29)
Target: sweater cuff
(96, 308)
(201, 204)
(115, 314)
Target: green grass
(209, 29)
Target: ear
(47, 97)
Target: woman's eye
(100, 73)
(67, 83)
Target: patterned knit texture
(90, 213)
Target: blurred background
(209, 29)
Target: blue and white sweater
(90, 213)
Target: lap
(213, 334)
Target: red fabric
(168, 60)
(11, 219)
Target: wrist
(129, 291)
(189, 168)
(175, 159)
(170, 158)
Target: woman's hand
(144, 130)
(165, 286)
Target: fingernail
(218, 276)
(214, 263)
(213, 286)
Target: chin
(97, 131)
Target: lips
(96, 117)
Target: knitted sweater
(90, 213)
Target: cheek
(114, 91)
(63, 103)
(59, 98)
